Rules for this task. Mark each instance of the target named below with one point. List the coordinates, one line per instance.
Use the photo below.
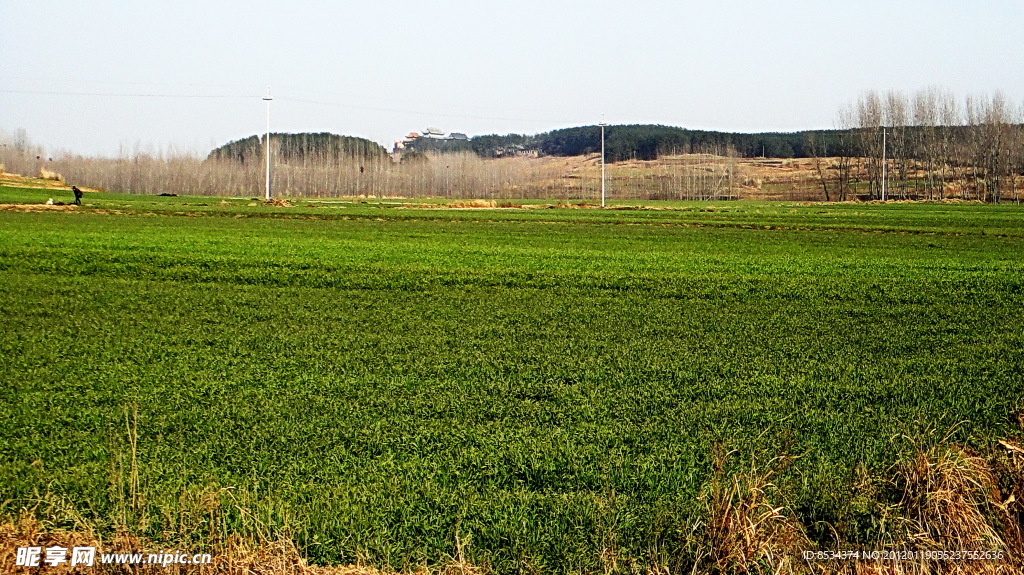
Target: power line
(297, 100)
(104, 94)
(66, 80)
(332, 98)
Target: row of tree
(489, 146)
(624, 142)
(931, 143)
(926, 145)
(649, 142)
(885, 145)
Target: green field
(376, 382)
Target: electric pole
(884, 163)
(266, 144)
(602, 124)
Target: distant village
(433, 134)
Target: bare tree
(844, 153)
(925, 118)
(996, 118)
(949, 118)
(870, 117)
(896, 120)
(816, 148)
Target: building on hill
(430, 139)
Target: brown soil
(37, 207)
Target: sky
(110, 78)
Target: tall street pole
(266, 144)
(602, 124)
(884, 164)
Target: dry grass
(953, 500)
(473, 204)
(277, 202)
(232, 556)
(943, 497)
(947, 493)
(50, 175)
(744, 531)
(37, 183)
(38, 207)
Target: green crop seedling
(546, 386)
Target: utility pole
(266, 144)
(602, 124)
(884, 163)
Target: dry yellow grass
(950, 500)
(50, 175)
(37, 207)
(232, 556)
(277, 202)
(744, 530)
(473, 204)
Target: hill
(297, 148)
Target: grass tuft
(745, 530)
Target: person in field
(78, 195)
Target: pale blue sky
(91, 77)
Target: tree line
(635, 142)
(649, 142)
(625, 142)
(929, 144)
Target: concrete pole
(266, 145)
